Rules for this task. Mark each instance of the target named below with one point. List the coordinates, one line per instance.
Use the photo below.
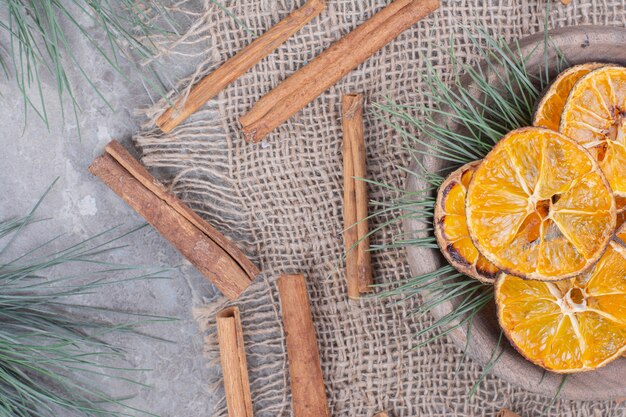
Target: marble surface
(32, 156)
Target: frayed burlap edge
(281, 201)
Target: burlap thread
(281, 201)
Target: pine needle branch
(38, 37)
(52, 347)
(455, 126)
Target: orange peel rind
(450, 225)
(539, 207)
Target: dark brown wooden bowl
(579, 44)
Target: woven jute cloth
(281, 201)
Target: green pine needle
(38, 45)
(52, 347)
(491, 363)
(556, 394)
(233, 16)
(503, 100)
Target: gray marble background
(32, 156)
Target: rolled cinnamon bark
(234, 364)
(308, 395)
(331, 65)
(209, 251)
(236, 66)
(350, 232)
(356, 226)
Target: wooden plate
(579, 44)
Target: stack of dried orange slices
(541, 217)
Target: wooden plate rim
(579, 44)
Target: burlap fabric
(282, 202)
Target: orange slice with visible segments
(595, 116)
(539, 207)
(451, 227)
(551, 106)
(568, 326)
(620, 206)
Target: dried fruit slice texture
(539, 207)
(620, 235)
(595, 116)
(568, 326)
(550, 107)
(450, 225)
(620, 207)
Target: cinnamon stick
(234, 364)
(350, 232)
(307, 384)
(358, 258)
(331, 65)
(236, 66)
(213, 254)
(126, 160)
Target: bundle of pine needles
(52, 349)
(36, 38)
(456, 127)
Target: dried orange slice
(539, 207)
(550, 107)
(620, 206)
(620, 235)
(595, 116)
(568, 326)
(451, 227)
